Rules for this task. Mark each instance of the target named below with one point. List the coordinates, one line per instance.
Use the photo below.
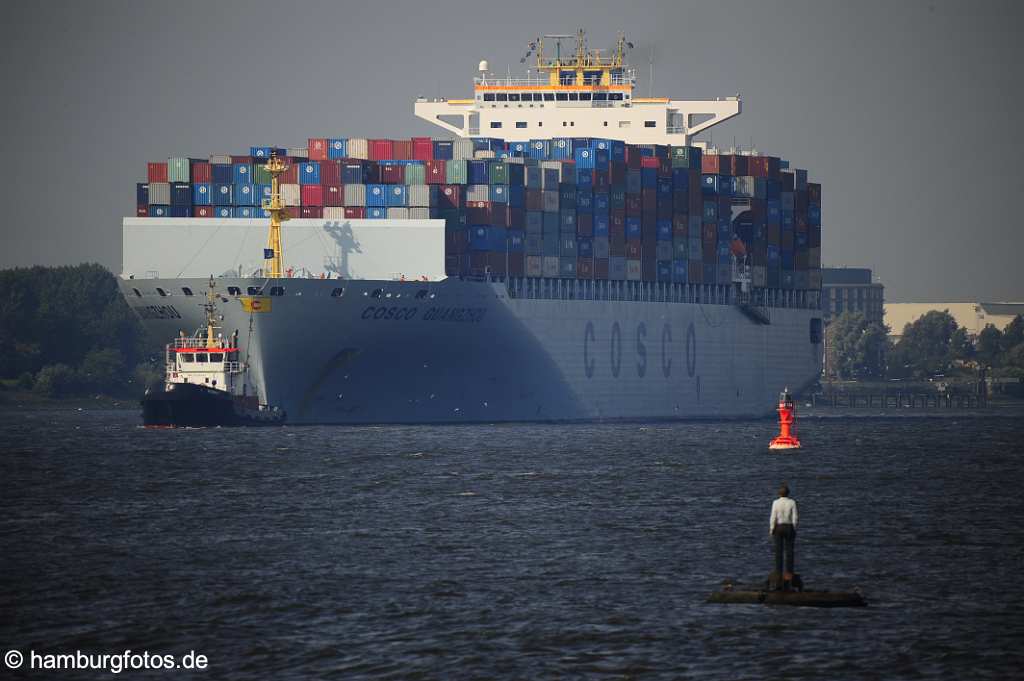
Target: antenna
(650, 85)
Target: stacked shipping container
(564, 207)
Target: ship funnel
(484, 66)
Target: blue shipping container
(584, 201)
(181, 194)
(309, 173)
(221, 194)
(498, 193)
(141, 193)
(181, 211)
(679, 270)
(201, 194)
(244, 194)
(584, 158)
(601, 223)
(244, 212)
(633, 229)
(396, 196)
(663, 230)
(443, 150)
(709, 184)
(539, 149)
(241, 173)
(376, 212)
(561, 148)
(337, 147)
(376, 195)
(159, 211)
(477, 172)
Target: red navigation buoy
(787, 424)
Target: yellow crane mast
(272, 254)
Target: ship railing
(627, 79)
(193, 343)
(229, 367)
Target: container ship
(572, 253)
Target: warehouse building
(972, 316)
(851, 289)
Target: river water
(513, 551)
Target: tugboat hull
(196, 406)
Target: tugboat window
(574, 96)
(186, 290)
(562, 96)
(489, 97)
(252, 291)
(513, 97)
(584, 96)
(216, 356)
(549, 96)
(502, 97)
(650, 124)
(201, 357)
(337, 293)
(234, 290)
(187, 357)
(162, 292)
(377, 293)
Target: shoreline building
(851, 289)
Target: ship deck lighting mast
(272, 254)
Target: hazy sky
(907, 112)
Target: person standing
(782, 529)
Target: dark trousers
(784, 539)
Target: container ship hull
(456, 351)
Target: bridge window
(201, 357)
(574, 96)
(234, 291)
(606, 124)
(584, 96)
(488, 96)
(377, 293)
(495, 124)
(520, 124)
(277, 290)
(615, 96)
(216, 356)
(549, 96)
(513, 97)
(186, 358)
(624, 124)
(562, 96)
(162, 292)
(501, 97)
(600, 96)
(650, 124)
(338, 292)
(137, 292)
(253, 291)
(186, 290)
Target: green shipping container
(178, 170)
(680, 157)
(260, 174)
(415, 173)
(455, 172)
(497, 172)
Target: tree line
(932, 345)
(68, 331)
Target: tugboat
(205, 383)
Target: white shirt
(783, 512)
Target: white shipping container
(462, 150)
(418, 195)
(633, 270)
(220, 159)
(358, 148)
(484, 153)
(291, 194)
(334, 213)
(355, 194)
(550, 266)
(419, 213)
(478, 192)
(298, 152)
(534, 266)
(159, 193)
(398, 214)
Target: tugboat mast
(272, 254)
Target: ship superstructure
(583, 94)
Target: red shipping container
(334, 195)
(330, 172)
(516, 264)
(774, 234)
(311, 212)
(355, 212)
(497, 262)
(292, 212)
(633, 157)
(156, 172)
(422, 148)
(290, 174)
(381, 150)
(392, 173)
(648, 201)
(695, 272)
(451, 265)
(534, 199)
(724, 164)
(451, 196)
(601, 182)
(317, 149)
(241, 159)
(142, 212)
(584, 268)
(710, 164)
(600, 268)
(402, 150)
(709, 232)
(617, 172)
(788, 181)
(499, 215)
(709, 251)
(650, 162)
(617, 222)
(649, 269)
(202, 211)
(633, 248)
(312, 195)
(201, 172)
(664, 166)
(739, 165)
(787, 241)
(435, 172)
(479, 212)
